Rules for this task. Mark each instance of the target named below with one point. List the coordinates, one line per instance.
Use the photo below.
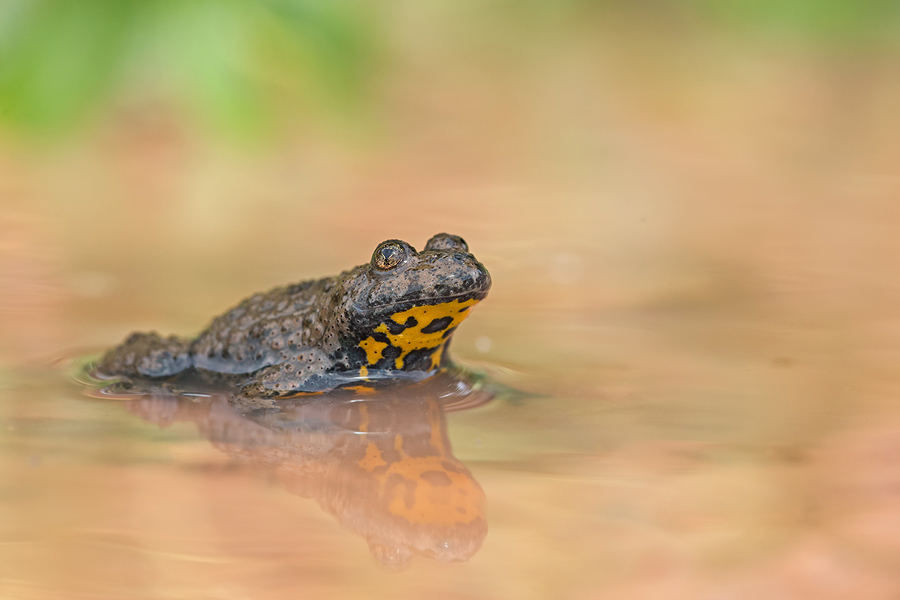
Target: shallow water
(674, 471)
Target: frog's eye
(388, 255)
(446, 241)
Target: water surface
(674, 471)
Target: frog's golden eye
(388, 255)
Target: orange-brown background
(691, 212)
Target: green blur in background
(243, 67)
(234, 64)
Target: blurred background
(160, 159)
(690, 209)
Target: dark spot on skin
(460, 510)
(438, 478)
(391, 353)
(437, 325)
(395, 327)
(418, 360)
(410, 322)
(380, 337)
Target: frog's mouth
(404, 304)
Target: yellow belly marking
(373, 349)
(412, 338)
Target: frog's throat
(425, 328)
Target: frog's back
(266, 329)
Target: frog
(387, 320)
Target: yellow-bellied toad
(388, 319)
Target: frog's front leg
(307, 371)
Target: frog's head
(405, 305)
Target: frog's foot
(146, 355)
(305, 373)
(289, 380)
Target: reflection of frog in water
(391, 318)
(380, 462)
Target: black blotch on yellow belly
(397, 328)
(392, 353)
(420, 359)
(437, 325)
